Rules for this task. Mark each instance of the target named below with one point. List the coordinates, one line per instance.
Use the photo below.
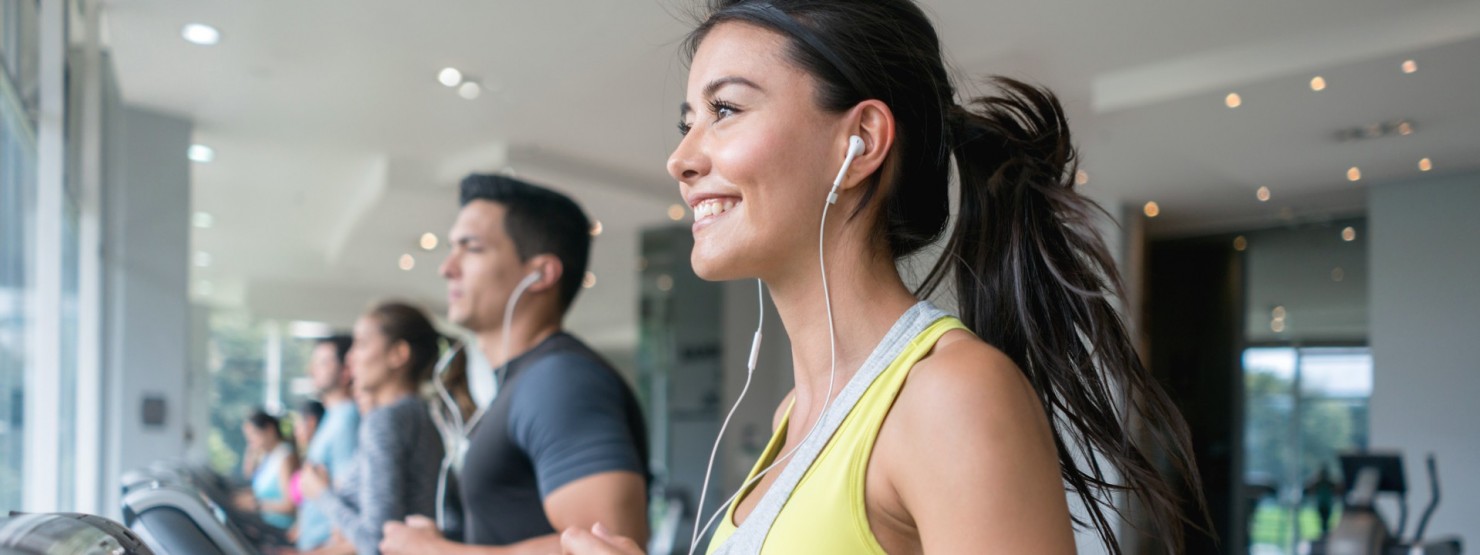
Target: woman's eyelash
(715, 107)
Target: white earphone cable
(832, 374)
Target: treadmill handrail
(188, 501)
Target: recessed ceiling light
(428, 241)
(596, 228)
(1410, 66)
(407, 262)
(1240, 243)
(1405, 128)
(449, 77)
(1353, 174)
(1425, 165)
(1233, 100)
(1262, 194)
(1277, 326)
(675, 212)
(469, 90)
(1277, 313)
(1349, 234)
(202, 220)
(1081, 177)
(1152, 209)
(589, 281)
(200, 153)
(202, 259)
(200, 33)
(1318, 83)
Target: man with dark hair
(333, 444)
(563, 442)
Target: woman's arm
(285, 477)
(970, 457)
(382, 487)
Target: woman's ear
(873, 121)
(398, 355)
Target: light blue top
(332, 446)
(267, 484)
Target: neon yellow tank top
(826, 514)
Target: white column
(89, 450)
(43, 376)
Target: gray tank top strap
(751, 535)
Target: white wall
(1425, 323)
(147, 247)
(750, 429)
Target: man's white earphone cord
(460, 431)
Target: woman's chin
(713, 266)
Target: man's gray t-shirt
(562, 413)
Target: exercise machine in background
(70, 533)
(1362, 530)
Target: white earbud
(855, 147)
(529, 280)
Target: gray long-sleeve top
(399, 458)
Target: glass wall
(1303, 407)
(244, 353)
(20, 53)
(17, 199)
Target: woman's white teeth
(713, 208)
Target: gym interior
(196, 194)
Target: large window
(17, 198)
(1303, 407)
(20, 53)
(246, 356)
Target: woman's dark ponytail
(1034, 279)
(455, 377)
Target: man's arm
(418, 535)
(617, 500)
(572, 418)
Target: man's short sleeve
(570, 416)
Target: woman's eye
(723, 109)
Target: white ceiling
(336, 148)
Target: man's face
(483, 267)
(324, 368)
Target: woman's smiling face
(757, 157)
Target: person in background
(310, 413)
(396, 348)
(333, 443)
(563, 441)
(269, 463)
(306, 423)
